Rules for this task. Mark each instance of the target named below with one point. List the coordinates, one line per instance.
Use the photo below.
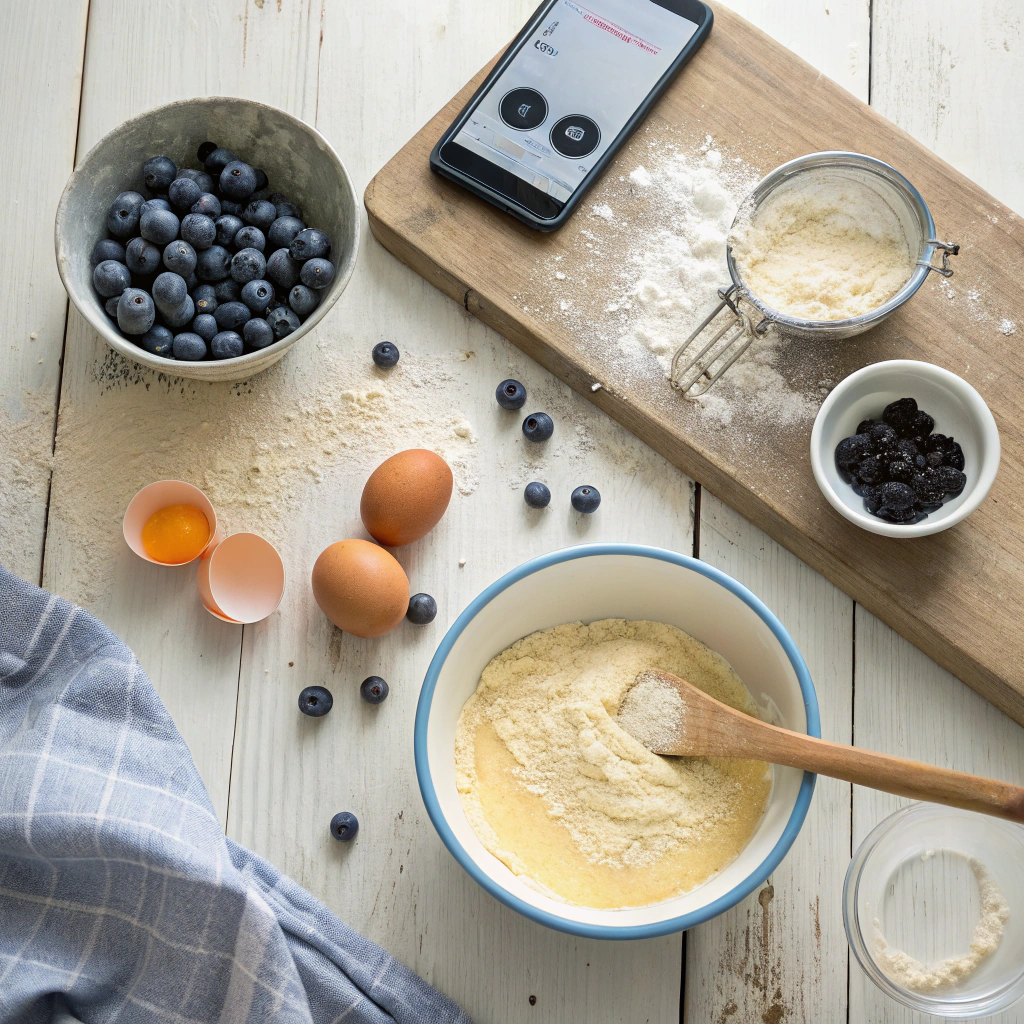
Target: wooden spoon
(710, 728)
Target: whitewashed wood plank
(40, 84)
(781, 955)
(267, 52)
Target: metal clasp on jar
(727, 343)
(947, 249)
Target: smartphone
(563, 98)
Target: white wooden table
(368, 75)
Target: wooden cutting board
(958, 595)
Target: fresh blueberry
(228, 225)
(282, 231)
(110, 306)
(191, 282)
(159, 226)
(106, 249)
(135, 311)
(422, 609)
(260, 214)
(189, 347)
(142, 257)
(201, 178)
(303, 300)
(257, 333)
(155, 204)
(159, 172)
(237, 180)
(538, 427)
(250, 237)
(258, 295)
(344, 826)
(169, 291)
(228, 290)
(537, 495)
(261, 179)
(284, 207)
(317, 273)
(282, 322)
(209, 204)
(315, 701)
(585, 498)
(181, 315)
(510, 394)
(217, 159)
(213, 264)
(226, 345)
(184, 193)
(282, 269)
(385, 354)
(248, 265)
(235, 209)
(157, 340)
(308, 244)
(198, 230)
(373, 690)
(231, 315)
(205, 325)
(123, 215)
(111, 278)
(205, 298)
(180, 257)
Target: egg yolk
(176, 534)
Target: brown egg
(406, 496)
(360, 587)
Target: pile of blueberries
(213, 264)
(901, 469)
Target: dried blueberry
(865, 426)
(955, 456)
(949, 480)
(923, 424)
(934, 459)
(883, 437)
(851, 450)
(901, 415)
(900, 469)
(870, 470)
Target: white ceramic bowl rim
(666, 927)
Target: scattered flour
(1007, 327)
(602, 210)
(652, 712)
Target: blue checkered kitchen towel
(120, 898)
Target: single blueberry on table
(209, 204)
(184, 193)
(250, 237)
(181, 315)
(237, 180)
(159, 226)
(260, 214)
(204, 150)
(110, 306)
(231, 315)
(344, 826)
(385, 354)
(537, 495)
(213, 264)
(282, 231)
(257, 333)
(228, 290)
(189, 347)
(228, 225)
(155, 204)
(205, 326)
(422, 609)
(308, 244)
(315, 701)
(282, 321)
(107, 249)
(111, 278)
(142, 257)
(226, 345)
(157, 340)
(135, 311)
(198, 230)
(248, 265)
(169, 290)
(201, 178)
(373, 690)
(303, 300)
(159, 172)
(317, 273)
(510, 394)
(180, 257)
(538, 427)
(282, 269)
(123, 215)
(205, 298)
(217, 159)
(585, 499)
(258, 295)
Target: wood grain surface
(956, 595)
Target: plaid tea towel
(121, 901)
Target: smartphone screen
(567, 94)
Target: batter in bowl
(577, 806)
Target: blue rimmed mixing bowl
(600, 581)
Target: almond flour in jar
(558, 790)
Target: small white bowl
(959, 412)
(599, 581)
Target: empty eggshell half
(241, 579)
(156, 496)
(360, 587)
(406, 496)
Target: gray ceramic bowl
(297, 159)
